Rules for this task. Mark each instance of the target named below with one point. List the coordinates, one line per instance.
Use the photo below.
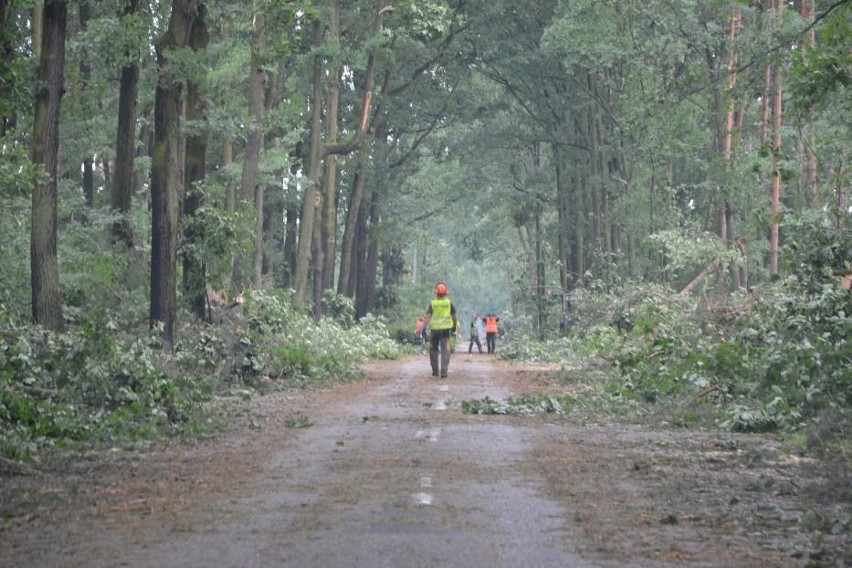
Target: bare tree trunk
(371, 264)
(165, 172)
(309, 200)
(317, 268)
(563, 215)
(250, 190)
(811, 182)
(356, 205)
(358, 278)
(44, 262)
(88, 181)
(581, 226)
(125, 152)
(194, 269)
(774, 229)
(9, 55)
(594, 173)
(727, 147)
(329, 203)
(291, 230)
(541, 312)
(38, 26)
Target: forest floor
(388, 471)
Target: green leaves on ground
(103, 382)
(522, 404)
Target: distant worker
(491, 329)
(474, 334)
(442, 319)
(420, 330)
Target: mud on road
(389, 471)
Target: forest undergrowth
(105, 382)
(774, 359)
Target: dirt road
(390, 472)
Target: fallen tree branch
(701, 276)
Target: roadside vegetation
(107, 381)
(775, 359)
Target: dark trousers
(491, 342)
(474, 338)
(439, 351)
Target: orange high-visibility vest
(491, 324)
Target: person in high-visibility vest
(420, 330)
(491, 330)
(442, 319)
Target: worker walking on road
(474, 334)
(491, 332)
(442, 319)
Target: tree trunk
(811, 185)
(88, 181)
(563, 215)
(541, 311)
(165, 172)
(309, 200)
(357, 279)
(125, 152)
(44, 263)
(194, 270)
(774, 229)
(371, 263)
(593, 183)
(7, 118)
(291, 230)
(328, 236)
(728, 140)
(38, 26)
(356, 205)
(250, 190)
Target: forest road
(385, 472)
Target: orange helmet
(441, 289)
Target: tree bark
(367, 302)
(350, 231)
(328, 235)
(7, 118)
(774, 229)
(194, 270)
(309, 200)
(728, 140)
(125, 152)
(811, 182)
(250, 191)
(44, 262)
(165, 172)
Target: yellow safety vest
(442, 317)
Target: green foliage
(283, 342)
(775, 358)
(521, 404)
(821, 74)
(690, 252)
(88, 385)
(560, 351)
(340, 308)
